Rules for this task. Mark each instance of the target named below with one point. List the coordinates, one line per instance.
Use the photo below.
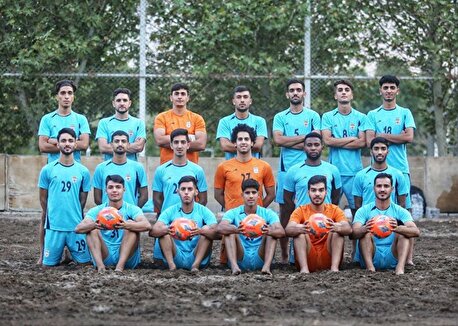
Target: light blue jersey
(52, 123)
(294, 124)
(392, 122)
(236, 215)
(113, 238)
(200, 214)
(228, 123)
(348, 161)
(64, 184)
(298, 176)
(363, 185)
(166, 180)
(133, 173)
(366, 212)
(134, 127)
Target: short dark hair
(383, 175)
(250, 183)
(64, 82)
(179, 132)
(119, 133)
(377, 140)
(316, 179)
(69, 131)
(122, 91)
(344, 82)
(313, 135)
(242, 127)
(179, 86)
(239, 89)
(115, 178)
(388, 79)
(295, 81)
(188, 178)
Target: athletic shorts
(407, 181)
(383, 258)
(250, 261)
(347, 185)
(183, 259)
(55, 242)
(281, 176)
(113, 257)
(318, 258)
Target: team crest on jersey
(188, 124)
(128, 177)
(46, 253)
(255, 169)
(131, 133)
(74, 179)
(352, 126)
(306, 123)
(72, 127)
(397, 121)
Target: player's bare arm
(161, 139)
(137, 146)
(97, 196)
(294, 229)
(199, 143)
(219, 196)
(104, 146)
(270, 196)
(158, 200)
(143, 196)
(159, 229)
(47, 144)
(405, 137)
(409, 230)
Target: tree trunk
(439, 111)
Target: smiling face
(115, 191)
(243, 143)
(383, 188)
(389, 91)
(66, 144)
(379, 152)
(180, 145)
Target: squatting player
(119, 247)
(194, 253)
(383, 253)
(314, 253)
(64, 185)
(245, 253)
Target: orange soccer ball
(108, 217)
(253, 225)
(319, 226)
(183, 228)
(381, 227)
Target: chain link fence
(25, 99)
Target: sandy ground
(30, 295)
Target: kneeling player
(189, 254)
(118, 247)
(383, 253)
(246, 253)
(314, 253)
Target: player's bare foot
(119, 271)
(410, 263)
(304, 271)
(172, 267)
(284, 260)
(266, 271)
(336, 270)
(101, 270)
(236, 271)
(194, 270)
(370, 269)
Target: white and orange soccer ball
(253, 225)
(381, 227)
(319, 225)
(108, 217)
(183, 228)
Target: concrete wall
(438, 177)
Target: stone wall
(437, 177)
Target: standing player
(394, 123)
(343, 132)
(119, 247)
(132, 172)
(245, 253)
(194, 253)
(390, 252)
(121, 120)
(289, 129)
(295, 191)
(64, 185)
(231, 173)
(363, 186)
(180, 117)
(167, 175)
(241, 99)
(313, 253)
(63, 117)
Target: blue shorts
(407, 181)
(113, 257)
(383, 258)
(55, 242)
(279, 189)
(250, 261)
(183, 259)
(347, 185)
